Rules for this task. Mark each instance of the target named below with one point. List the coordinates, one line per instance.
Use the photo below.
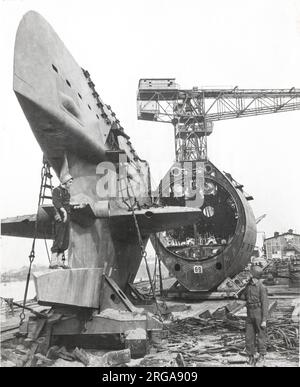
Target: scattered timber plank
(31, 359)
(53, 287)
(200, 295)
(283, 290)
(81, 355)
(235, 306)
(8, 335)
(110, 359)
(281, 296)
(237, 361)
(12, 323)
(9, 354)
(43, 359)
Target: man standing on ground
(256, 297)
(61, 203)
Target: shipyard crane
(221, 242)
(193, 111)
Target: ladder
(46, 183)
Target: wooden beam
(77, 287)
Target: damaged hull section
(217, 246)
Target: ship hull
(224, 241)
(79, 134)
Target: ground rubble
(191, 339)
(220, 342)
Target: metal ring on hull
(208, 272)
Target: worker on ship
(256, 297)
(61, 203)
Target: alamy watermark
(126, 180)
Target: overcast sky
(250, 44)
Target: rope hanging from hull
(45, 176)
(141, 243)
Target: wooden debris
(9, 335)
(81, 355)
(66, 363)
(234, 306)
(237, 361)
(11, 356)
(219, 313)
(212, 338)
(206, 314)
(56, 352)
(110, 359)
(117, 357)
(43, 359)
(136, 341)
(64, 354)
(53, 352)
(228, 342)
(21, 349)
(7, 363)
(180, 360)
(31, 359)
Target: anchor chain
(31, 259)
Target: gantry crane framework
(193, 111)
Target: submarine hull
(79, 134)
(219, 245)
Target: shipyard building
(282, 246)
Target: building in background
(282, 246)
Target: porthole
(176, 171)
(54, 68)
(68, 83)
(208, 211)
(177, 267)
(218, 265)
(210, 188)
(208, 168)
